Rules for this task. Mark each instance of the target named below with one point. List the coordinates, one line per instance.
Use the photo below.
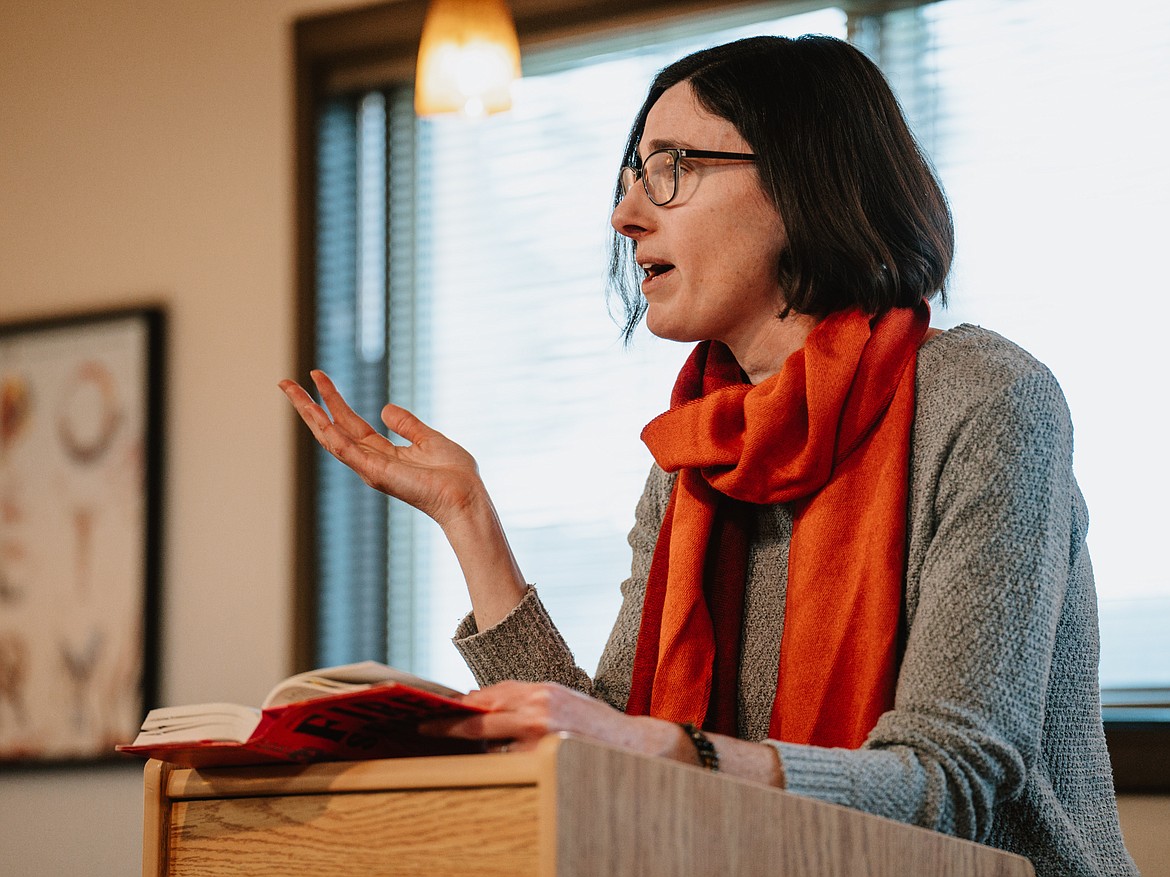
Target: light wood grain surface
(489, 831)
(570, 809)
(497, 769)
(627, 815)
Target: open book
(355, 711)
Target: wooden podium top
(569, 809)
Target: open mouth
(656, 269)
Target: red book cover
(375, 722)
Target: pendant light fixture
(468, 58)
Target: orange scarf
(829, 434)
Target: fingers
(482, 726)
(512, 695)
(344, 416)
(311, 413)
(516, 711)
(396, 418)
(336, 437)
(344, 420)
(523, 713)
(499, 733)
(430, 472)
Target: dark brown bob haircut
(868, 224)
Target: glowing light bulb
(468, 58)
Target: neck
(763, 354)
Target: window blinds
(351, 523)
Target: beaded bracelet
(708, 757)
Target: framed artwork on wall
(80, 475)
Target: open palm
(432, 473)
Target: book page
(207, 721)
(347, 677)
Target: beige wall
(145, 155)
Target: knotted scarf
(830, 435)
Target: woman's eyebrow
(668, 144)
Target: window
(484, 311)
(1050, 156)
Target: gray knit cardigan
(996, 732)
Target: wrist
(494, 581)
(704, 749)
(473, 527)
(759, 762)
(661, 739)
(472, 509)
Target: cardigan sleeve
(527, 646)
(989, 567)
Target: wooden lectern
(569, 809)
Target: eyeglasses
(659, 172)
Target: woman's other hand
(521, 713)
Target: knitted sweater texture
(995, 735)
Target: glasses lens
(658, 172)
(628, 177)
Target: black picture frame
(81, 461)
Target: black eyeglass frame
(678, 154)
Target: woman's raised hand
(432, 473)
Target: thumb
(402, 422)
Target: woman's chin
(662, 325)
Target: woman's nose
(631, 217)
